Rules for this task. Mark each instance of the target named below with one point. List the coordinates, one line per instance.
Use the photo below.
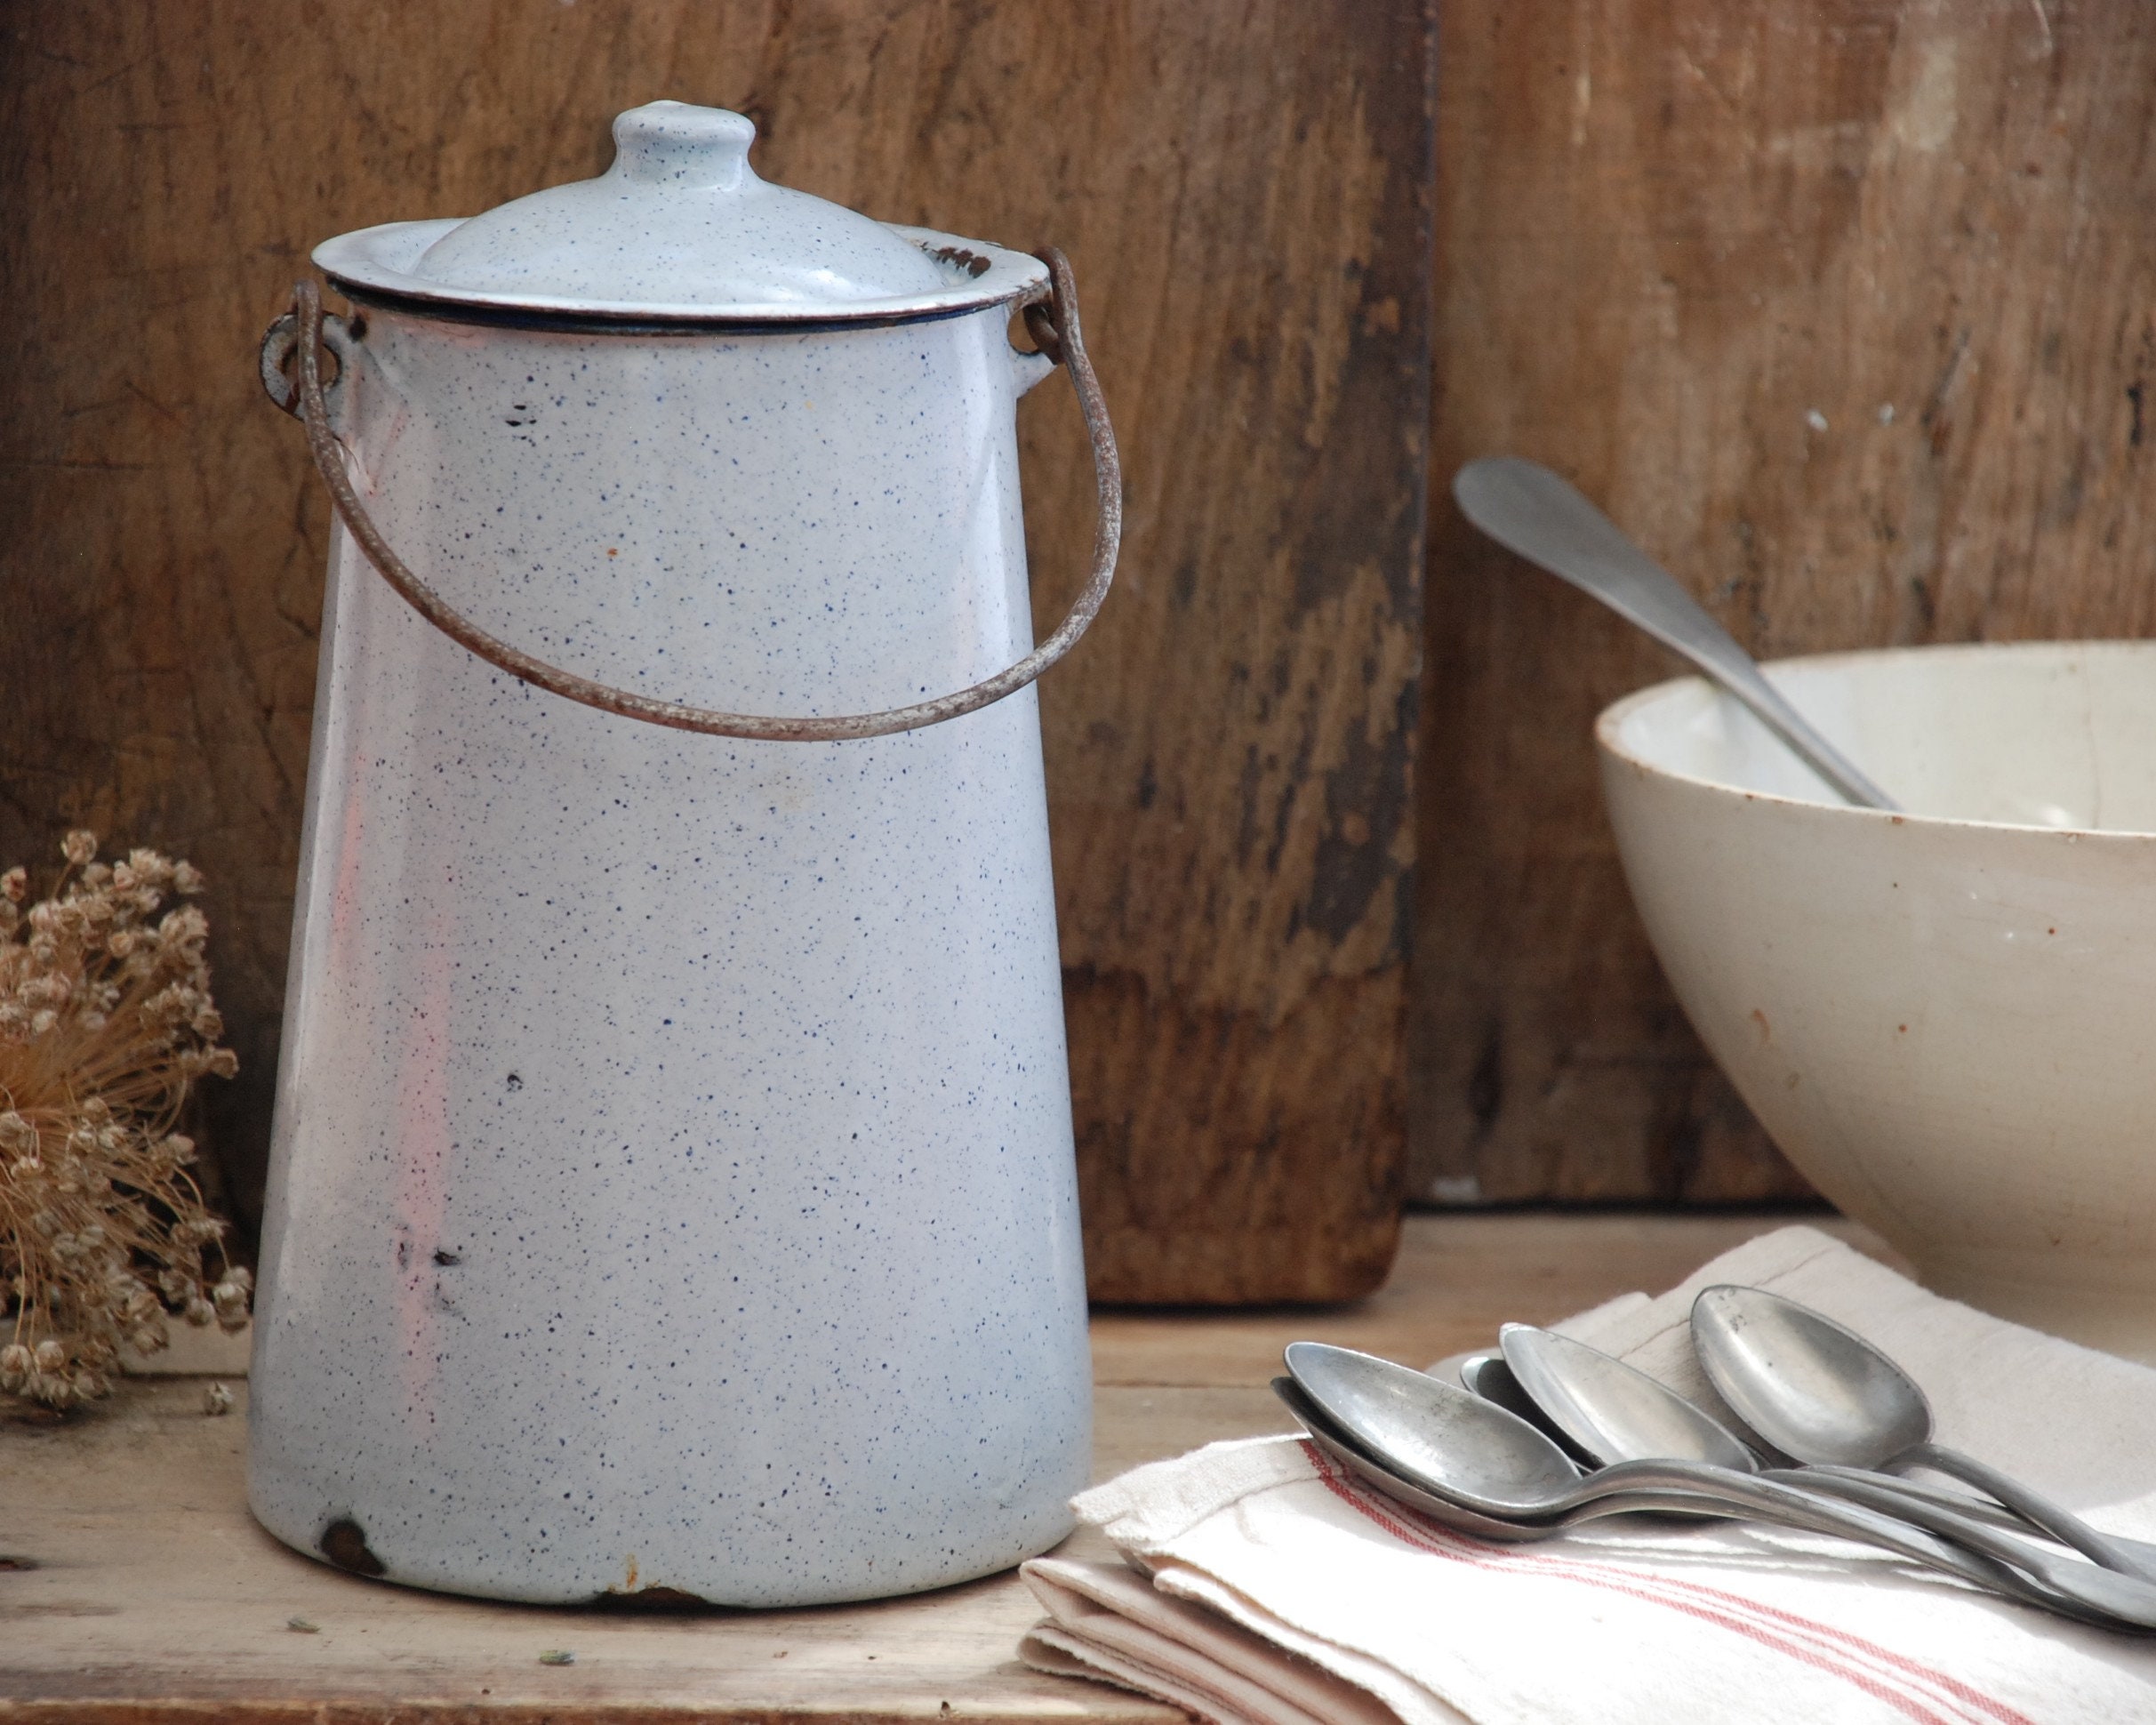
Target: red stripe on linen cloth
(1838, 1652)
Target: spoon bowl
(1613, 1411)
(1821, 1394)
(1792, 1375)
(1441, 1438)
(1488, 1375)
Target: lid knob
(680, 220)
(672, 143)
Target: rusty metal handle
(1054, 326)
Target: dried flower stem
(106, 1021)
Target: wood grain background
(1246, 191)
(1847, 310)
(1844, 309)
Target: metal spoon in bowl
(1474, 1466)
(1619, 1413)
(1821, 1394)
(1534, 513)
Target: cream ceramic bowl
(1945, 1018)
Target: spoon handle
(2125, 1597)
(2141, 1552)
(2039, 1511)
(1532, 512)
(1762, 1497)
(1788, 1508)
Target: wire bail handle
(1051, 318)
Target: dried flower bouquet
(106, 1021)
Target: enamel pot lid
(680, 228)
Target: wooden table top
(135, 1587)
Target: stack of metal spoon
(1550, 1433)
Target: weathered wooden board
(1245, 191)
(156, 1599)
(1847, 312)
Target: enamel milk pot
(672, 1190)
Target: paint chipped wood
(1847, 311)
(1244, 193)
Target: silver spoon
(1613, 1411)
(1480, 1469)
(1532, 512)
(1821, 1394)
(1619, 1413)
(1488, 1375)
(1380, 1473)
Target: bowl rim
(1608, 721)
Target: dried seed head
(216, 1399)
(230, 1299)
(105, 1020)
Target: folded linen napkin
(1266, 1585)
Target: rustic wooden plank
(1245, 191)
(1236, 998)
(1845, 311)
(156, 1599)
(159, 1589)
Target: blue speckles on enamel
(673, 1181)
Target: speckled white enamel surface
(680, 218)
(673, 1182)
